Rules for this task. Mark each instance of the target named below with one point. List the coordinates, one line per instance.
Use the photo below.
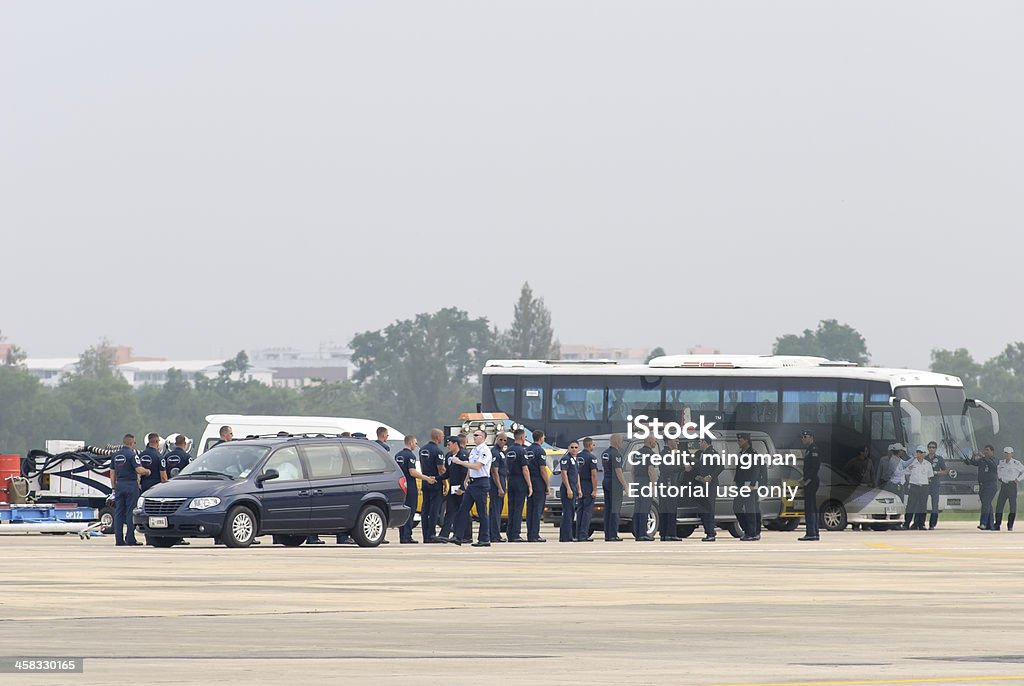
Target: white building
(294, 368)
(50, 371)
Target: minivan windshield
(232, 460)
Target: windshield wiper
(207, 472)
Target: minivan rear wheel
(371, 525)
(239, 527)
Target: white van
(261, 425)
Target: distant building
(149, 372)
(51, 370)
(294, 368)
(594, 352)
(703, 350)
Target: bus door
(882, 430)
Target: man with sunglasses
(569, 492)
(479, 466)
(499, 483)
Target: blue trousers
(811, 509)
(496, 503)
(933, 494)
(987, 493)
(516, 499)
(431, 509)
(584, 512)
(476, 494)
(612, 508)
(411, 496)
(565, 531)
(534, 510)
(125, 498)
(641, 511)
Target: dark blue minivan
(285, 486)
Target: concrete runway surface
(939, 607)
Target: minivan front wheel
(371, 525)
(239, 527)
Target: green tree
(957, 363)
(14, 356)
(101, 403)
(656, 352)
(831, 339)
(418, 371)
(29, 412)
(530, 336)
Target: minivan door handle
(318, 491)
(303, 494)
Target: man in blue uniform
(538, 466)
(669, 476)
(935, 485)
(988, 484)
(706, 471)
(645, 474)
(382, 439)
(499, 483)
(152, 460)
(125, 470)
(587, 462)
(747, 507)
(432, 464)
(478, 466)
(178, 458)
(569, 491)
(456, 476)
(519, 488)
(614, 485)
(810, 482)
(406, 460)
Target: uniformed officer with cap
(1010, 473)
(747, 506)
(706, 471)
(519, 488)
(539, 476)
(613, 485)
(569, 491)
(456, 475)
(988, 483)
(587, 462)
(125, 470)
(810, 482)
(499, 483)
(152, 460)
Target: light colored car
(842, 502)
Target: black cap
(807, 432)
(452, 439)
(743, 434)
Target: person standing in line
(539, 479)
(478, 465)
(1010, 472)
(153, 461)
(746, 506)
(499, 483)
(587, 462)
(457, 482)
(988, 484)
(668, 506)
(810, 482)
(568, 492)
(406, 460)
(432, 464)
(645, 475)
(614, 485)
(382, 439)
(125, 470)
(707, 469)
(935, 485)
(519, 485)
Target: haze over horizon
(192, 180)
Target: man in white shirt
(479, 466)
(919, 473)
(1010, 472)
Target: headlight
(140, 503)
(203, 503)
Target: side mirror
(267, 476)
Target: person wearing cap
(569, 492)
(935, 485)
(587, 461)
(518, 485)
(1010, 472)
(500, 455)
(988, 484)
(889, 463)
(645, 475)
(810, 481)
(478, 466)
(919, 475)
(540, 475)
(613, 485)
(457, 482)
(706, 470)
(747, 507)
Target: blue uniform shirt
(383, 444)
(430, 457)
(535, 461)
(570, 471)
(152, 460)
(499, 461)
(175, 461)
(586, 461)
(456, 472)
(515, 457)
(611, 460)
(124, 462)
(406, 461)
(937, 463)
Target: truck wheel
(239, 527)
(371, 525)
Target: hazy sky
(194, 178)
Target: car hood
(191, 488)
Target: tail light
(403, 485)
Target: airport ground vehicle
(847, 406)
(264, 425)
(289, 486)
(687, 512)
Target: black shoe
(645, 539)
(315, 541)
(499, 540)
(931, 528)
(584, 540)
(983, 528)
(182, 542)
(456, 541)
(537, 540)
(613, 540)
(808, 538)
(708, 539)
(436, 540)
(255, 541)
(517, 540)
(384, 542)
(670, 538)
(482, 544)
(746, 538)
(410, 541)
(995, 528)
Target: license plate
(158, 522)
(890, 510)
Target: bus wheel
(833, 516)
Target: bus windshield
(944, 419)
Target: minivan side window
(287, 463)
(366, 460)
(324, 461)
